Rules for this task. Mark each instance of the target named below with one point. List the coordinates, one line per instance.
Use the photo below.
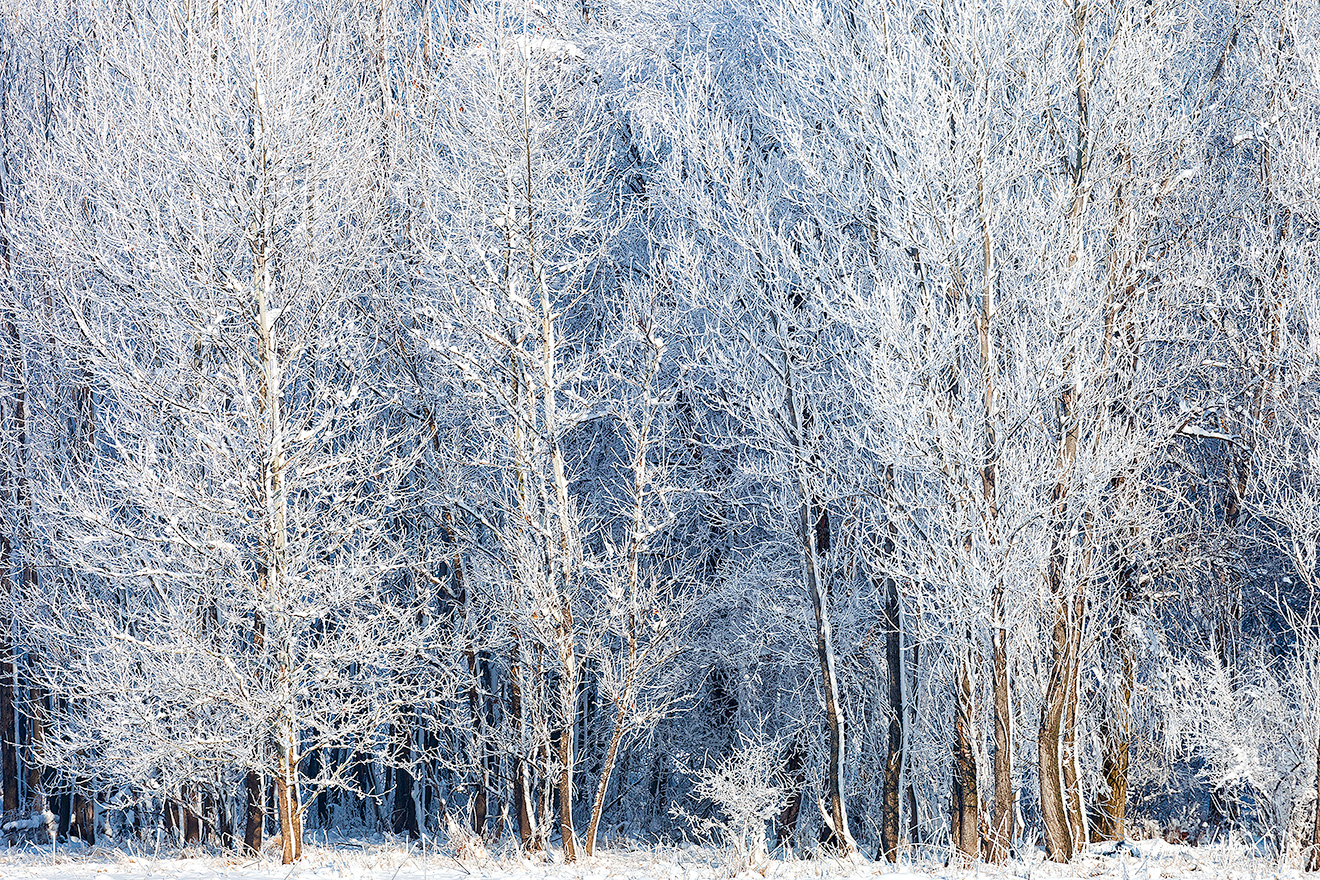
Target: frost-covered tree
(200, 229)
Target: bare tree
(200, 223)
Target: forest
(877, 427)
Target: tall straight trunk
(8, 690)
(1054, 816)
(813, 525)
(890, 824)
(834, 714)
(1001, 818)
(1056, 802)
(278, 635)
(914, 830)
(403, 809)
(1059, 798)
(568, 715)
(481, 797)
(254, 795)
(36, 785)
(11, 383)
(1313, 862)
(1078, 827)
(288, 803)
(636, 545)
(524, 806)
(965, 802)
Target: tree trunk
(965, 798)
(524, 807)
(8, 689)
(290, 808)
(1116, 738)
(568, 713)
(1313, 862)
(1077, 822)
(254, 794)
(1053, 789)
(11, 388)
(833, 707)
(890, 827)
(36, 786)
(189, 813)
(915, 829)
(481, 798)
(1001, 819)
(403, 813)
(795, 772)
(611, 755)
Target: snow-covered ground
(1147, 860)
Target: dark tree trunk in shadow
(890, 828)
(795, 771)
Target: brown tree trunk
(290, 809)
(192, 824)
(82, 818)
(254, 794)
(611, 755)
(1116, 738)
(1054, 797)
(1001, 818)
(568, 716)
(1077, 822)
(36, 786)
(964, 796)
(524, 807)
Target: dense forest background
(880, 424)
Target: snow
(32, 822)
(1141, 860)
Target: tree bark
(611, 755)
(1001, 818)
(1077, 822)
(834, 714)
(1313, 863)
(8, 689)
(1054, 806)
(524, 807)
(254, 794)
(289, 805)
(1116, 738)
(403, 812)
(964, 797)
(36, 786)
(890, 826)
(795, 771)
(568, 714)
